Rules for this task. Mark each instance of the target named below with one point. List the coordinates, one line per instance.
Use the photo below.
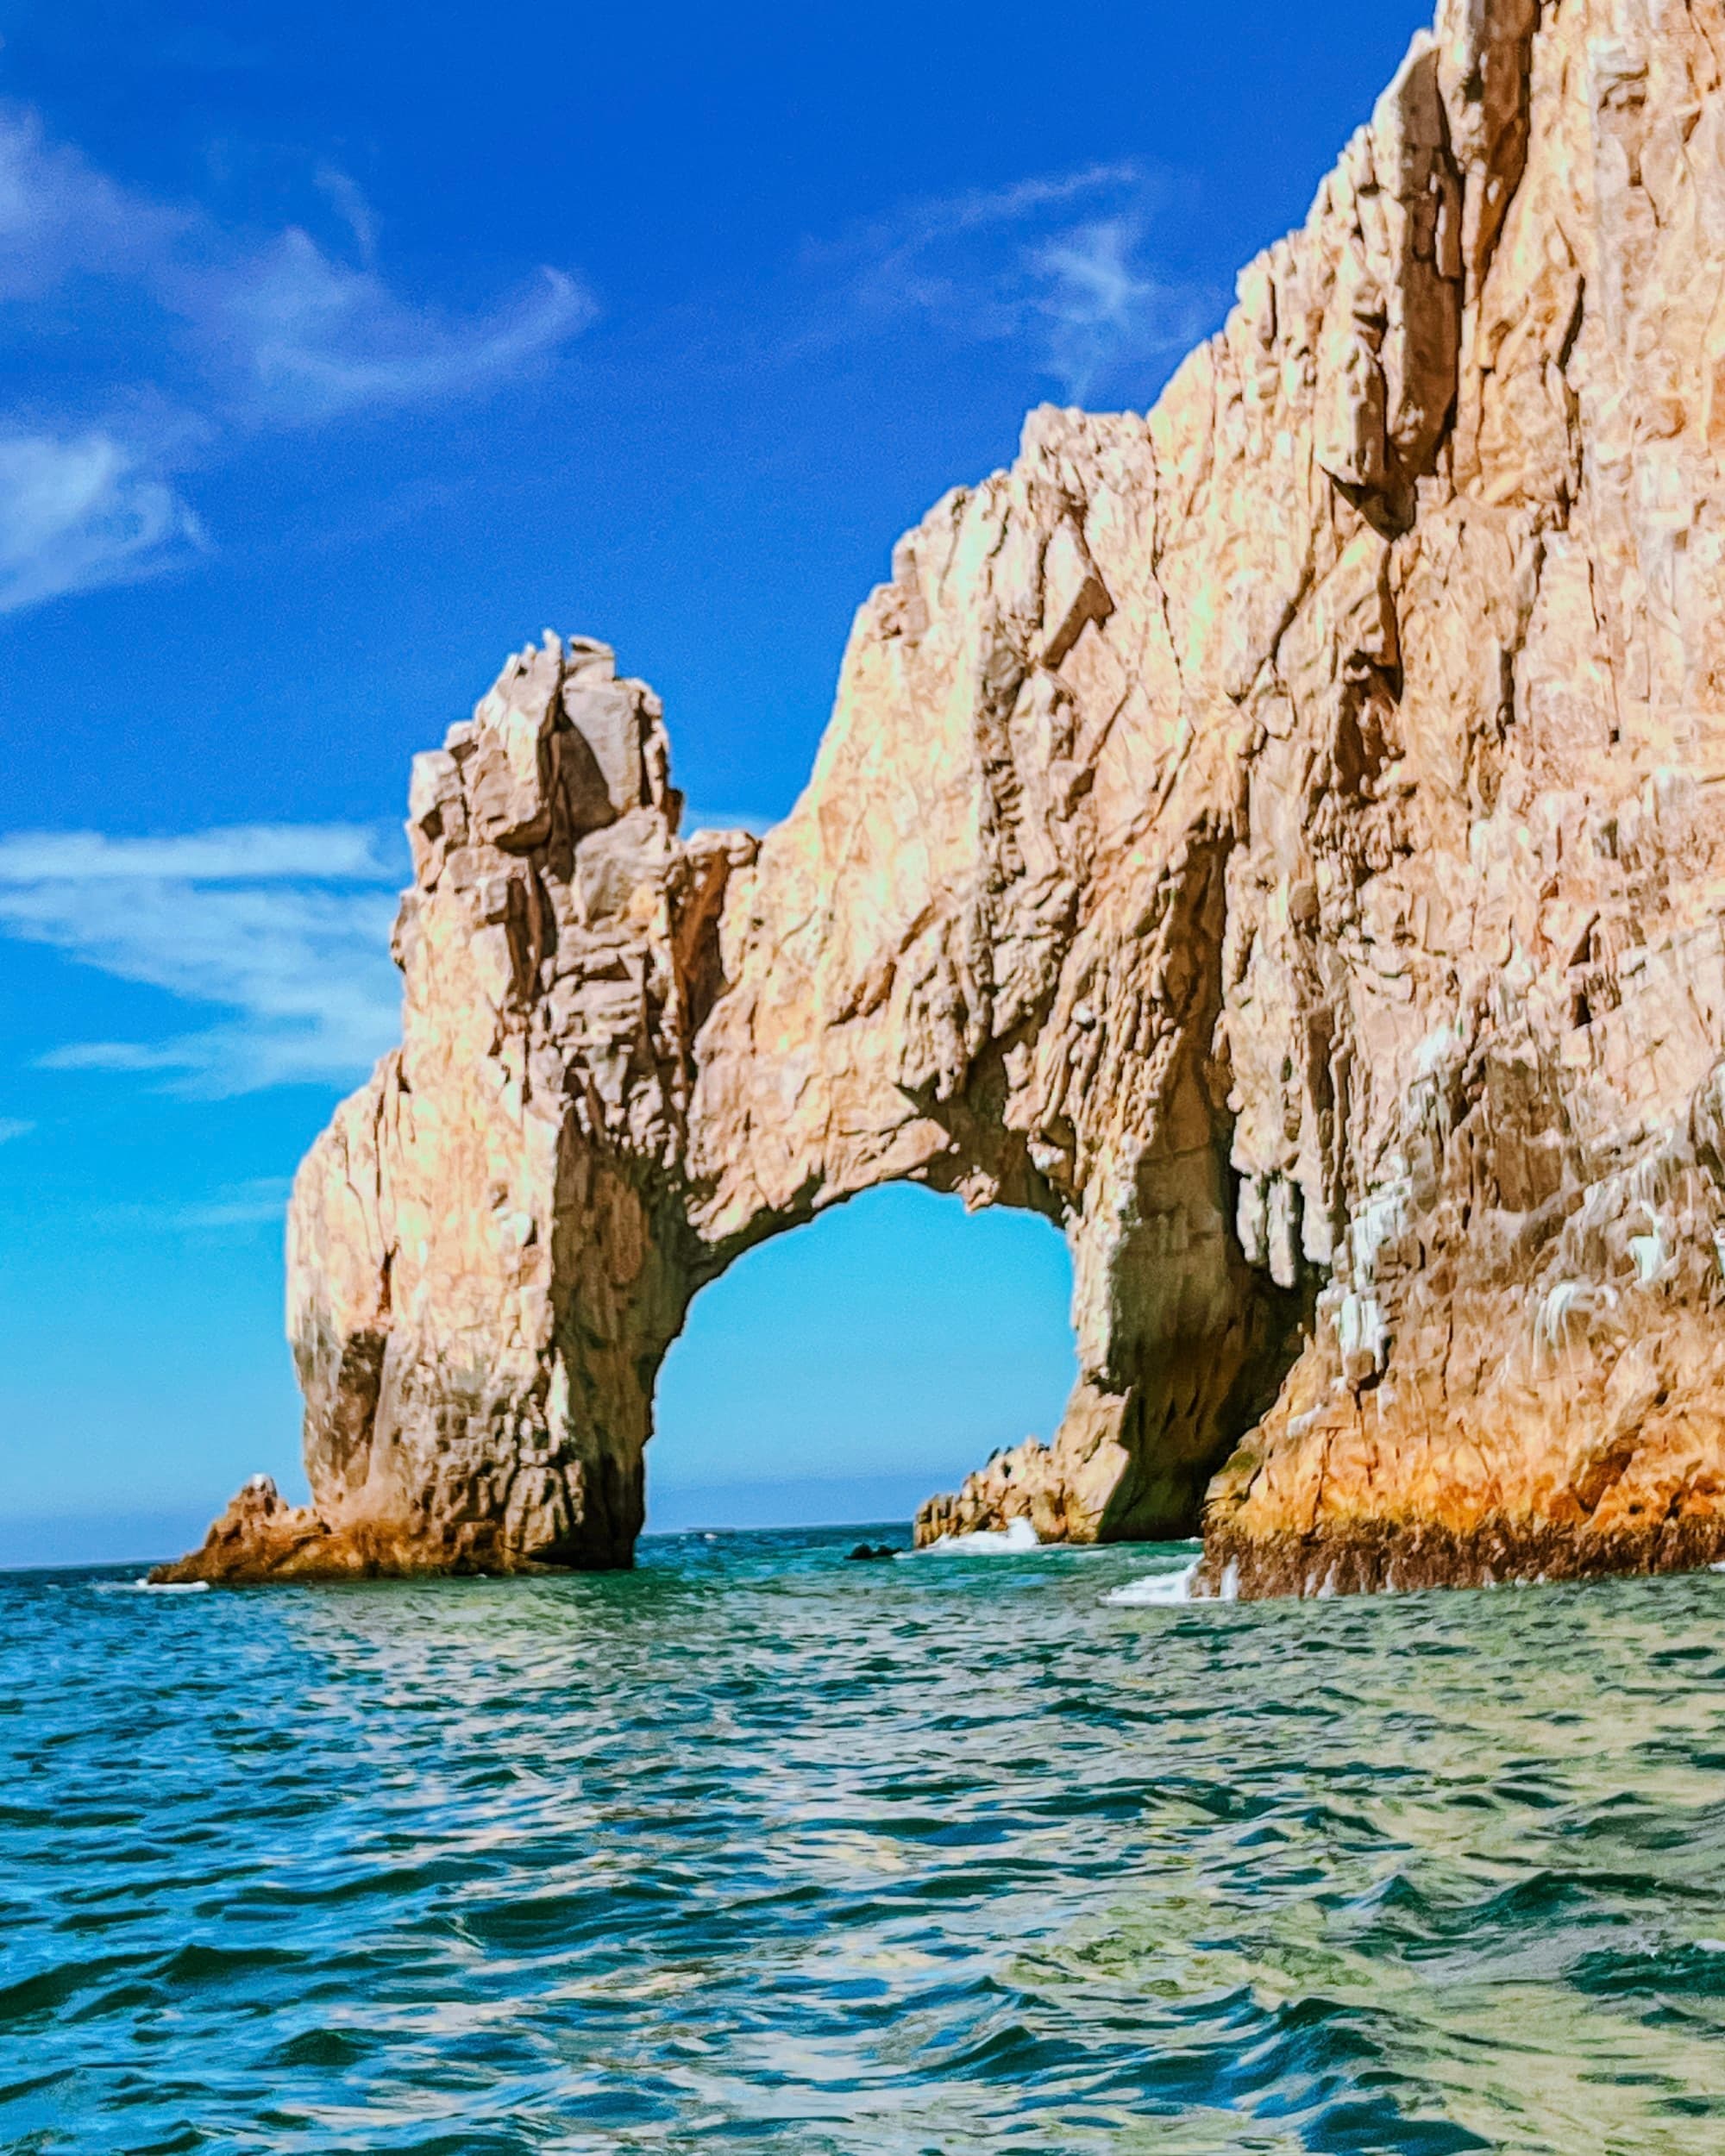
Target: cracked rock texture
(1279, 838)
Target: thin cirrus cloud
(280, 930)
(348, 201)
(79, 512)
(245, 1205)
(1104, 308)
(59, 217)
(234, 332)
(1058, 263)
(300, 337)
(230, 1209)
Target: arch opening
(843, 1370)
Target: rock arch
(627, 1058)
(1279, 837)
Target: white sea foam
(1013, 1540)
(153, 1587)
(1155, 1589)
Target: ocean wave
(1155, 1589)
(1014, 1539)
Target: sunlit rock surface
(1278, 838)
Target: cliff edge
(1280, 838)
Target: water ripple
(754, 1848)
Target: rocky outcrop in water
(1279, 838)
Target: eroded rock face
(488, 1252)
(1278, 838)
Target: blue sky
(343, 349)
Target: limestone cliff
(1280, 838)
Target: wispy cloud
(349, 200)
(59, 216)
(230, 1209)
(242, 853)
(303, 337)
(13, 1126)
(247, 1205)
(757, 822)
(909, 260)
(1105, 306)
(1059, 262)
(78, 513)
(281, 928)
(237, 330)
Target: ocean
(757, 1848)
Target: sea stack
(1280, 838)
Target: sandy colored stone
(1278, 838)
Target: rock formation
(1279, 838)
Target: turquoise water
(758, 1849)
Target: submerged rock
(1280, 838)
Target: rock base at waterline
(260, 1537)
(1371, 1559)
